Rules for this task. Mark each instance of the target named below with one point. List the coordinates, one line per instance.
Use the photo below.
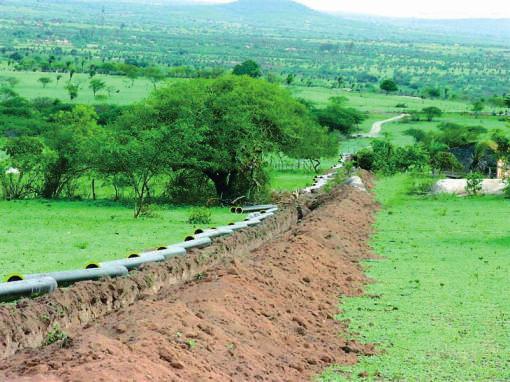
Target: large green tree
(221, 128)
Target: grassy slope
(39, 236)
(443, 311)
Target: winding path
(377, 126)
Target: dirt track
(268, 316)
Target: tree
(478, 107)
(337, 116)
(444, 161)
(389, 86)
(220, 127)
(290, 79)
(507, 101)
(248, 68)
(44, 81)
(431, 112)
(27, 159)
(314, 144)
(502, 144)
(143, 145)
(72, 90)
(130, 71)
(59, 77)
(154, 74)
(96, 85)
(74, 138)
(10, 82)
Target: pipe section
(193, 243)
(67, 278)
(26, 288)
(167, 252)
(214, 233)
(258, 208)
(131, 263)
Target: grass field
(439, 308)
(122, 93)
(395, 131)
(40, 236)
(376, 102)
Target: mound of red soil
(269, 316)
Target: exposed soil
(266, 316)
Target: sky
(414, 8)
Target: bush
(474, 183)
(57, 335)
(365, 159)
(199, 215)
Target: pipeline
(252, 222)
(193, 243)
(168, 252)
(248, 209)
(36, 284)
(67, 278)
(11, 291)
(211, 233)
(131, 263)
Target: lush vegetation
(450, 147)
(194, 142)
(438, 310)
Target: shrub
(474, 183)
(199, 215)
(365, 159)
(57, 335)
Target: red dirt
(268, 316)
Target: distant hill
(266, 7)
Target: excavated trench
(258, 305)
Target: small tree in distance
(72, 90)
(431, 112)
(389, 86)
(44, 81)
(96, 85)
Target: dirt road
(268, 316)
(377, 126)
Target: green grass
(30, 88)
(41, 236)
(376, 102)
(395, 131)
(439, 309)
(291, 180)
